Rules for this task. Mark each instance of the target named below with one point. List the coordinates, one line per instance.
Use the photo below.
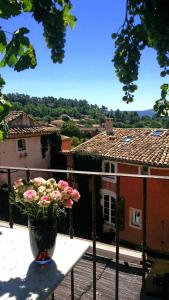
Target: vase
(42, 236)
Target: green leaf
(12, 60)
(21, 31)
(27, 5)
(1, 135)
(63, 2)
(27, 60)
(19, 52)
(4, 110)
(68, 17)
(2, 82)
(2, 63)
(2, 41)
(1, 108)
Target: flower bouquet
(40, 198)
(43, 201)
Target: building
(23, 147)
(134, 151)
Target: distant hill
(147, 112)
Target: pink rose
(69, 203)
(45, 198)
(38, 181)
(75, 195)
(69, 190)
(62, 184)
(18, 183)
(44, 201)
(29, 195)
(56, 195)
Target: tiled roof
(25, 131)
(30, 131)
(144, 148)
(57, 122)
(13, 115)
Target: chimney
(109, 126)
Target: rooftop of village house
(135, 145)
(13, 115)
(27, 129)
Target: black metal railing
(8, 170)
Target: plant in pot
(43, 201)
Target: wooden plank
(129, 281)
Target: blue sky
(87, 71)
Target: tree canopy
(146, 24)
(16, 49)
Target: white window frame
(23, 148)
(109, 178)
(132, 214)
(105, 192)
(154, 133)
(127, 138)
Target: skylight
(127, 138)
(158, 132)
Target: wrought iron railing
(8, 170)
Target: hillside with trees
(81, 112)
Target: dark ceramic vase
(42, 235)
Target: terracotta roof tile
(13, 115)
(143, 148)
(30, 131)
(24, 130)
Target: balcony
(107, 271)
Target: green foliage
(162, 105)
(146, 24)
(66, 118)
(70, 128)
(50, 108)
(53, 107)
(4, 110)
(77, 141)
(44, 145)
(54, 16)
(9, 8)
(52, 140)
(19, 53)
(16, 49)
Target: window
(135, 218)
(21, 145)
(158, 132)
(109, 206)
(127, 138)
(109, 167)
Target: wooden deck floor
(129, 281)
